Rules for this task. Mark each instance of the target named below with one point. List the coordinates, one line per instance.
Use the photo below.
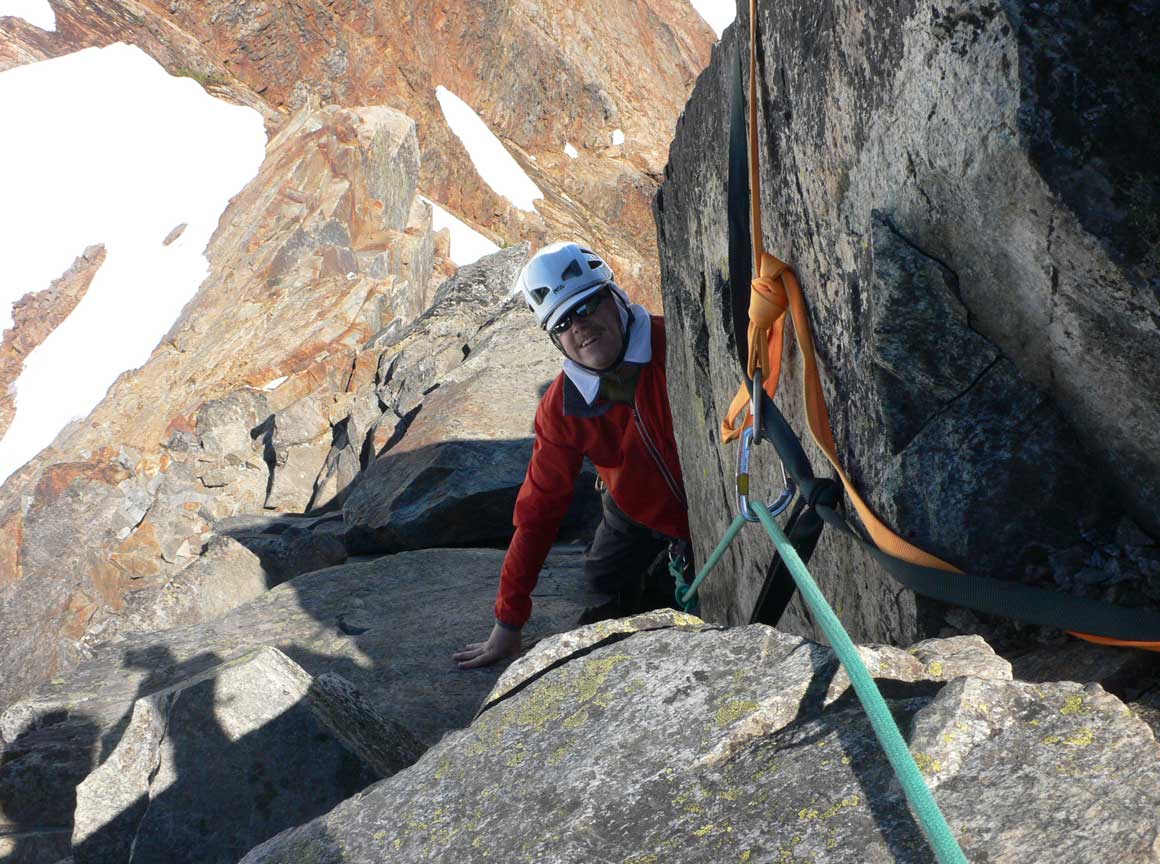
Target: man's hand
(501, 643)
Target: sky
(718, 14)
(111, 149)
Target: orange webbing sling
(772, 292)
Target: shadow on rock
(38, 774)
(237, 752)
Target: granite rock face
(692, 743)
(462, 384)
(982, 289)
(209, 768)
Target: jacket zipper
(656, 455)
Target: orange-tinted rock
(540, 74)
(35, 316)
(136, 556)
(81, 24)
(363, 372)
(21, 43)
(79, 608)
(268, 308)
(56, 479)
(11, 537)
(105, 511)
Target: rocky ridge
(269, 401)
(615, 65)
(124, 500)
(35, 316)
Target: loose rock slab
(699, 744)
(207, 769)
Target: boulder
(39, 771)
(226, 426)
(208, 768)
(352, 449)
(77, 511)
(294, 474)
(225, 575)
(693, 743)
(463, 383)
(967, 289)
(288, 545)
(301, 423)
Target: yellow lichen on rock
(927, 764)
(734, 710)
(849, 801)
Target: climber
(610, 403)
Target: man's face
(593, 340)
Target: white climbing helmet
(558, 277)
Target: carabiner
(742, 483)
(755, 406)
(783, 500)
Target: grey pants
(630, 563)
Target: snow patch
(273, 385)
(36, 12)
(617, 137)
(571, 151)
(494, 163)
(157, 151)
(467, 244)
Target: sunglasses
(581, 310)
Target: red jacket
(633, 449)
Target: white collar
(639, 351)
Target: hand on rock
(501, 643)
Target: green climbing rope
(934, 825)
(930, 818)
(687, 595)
